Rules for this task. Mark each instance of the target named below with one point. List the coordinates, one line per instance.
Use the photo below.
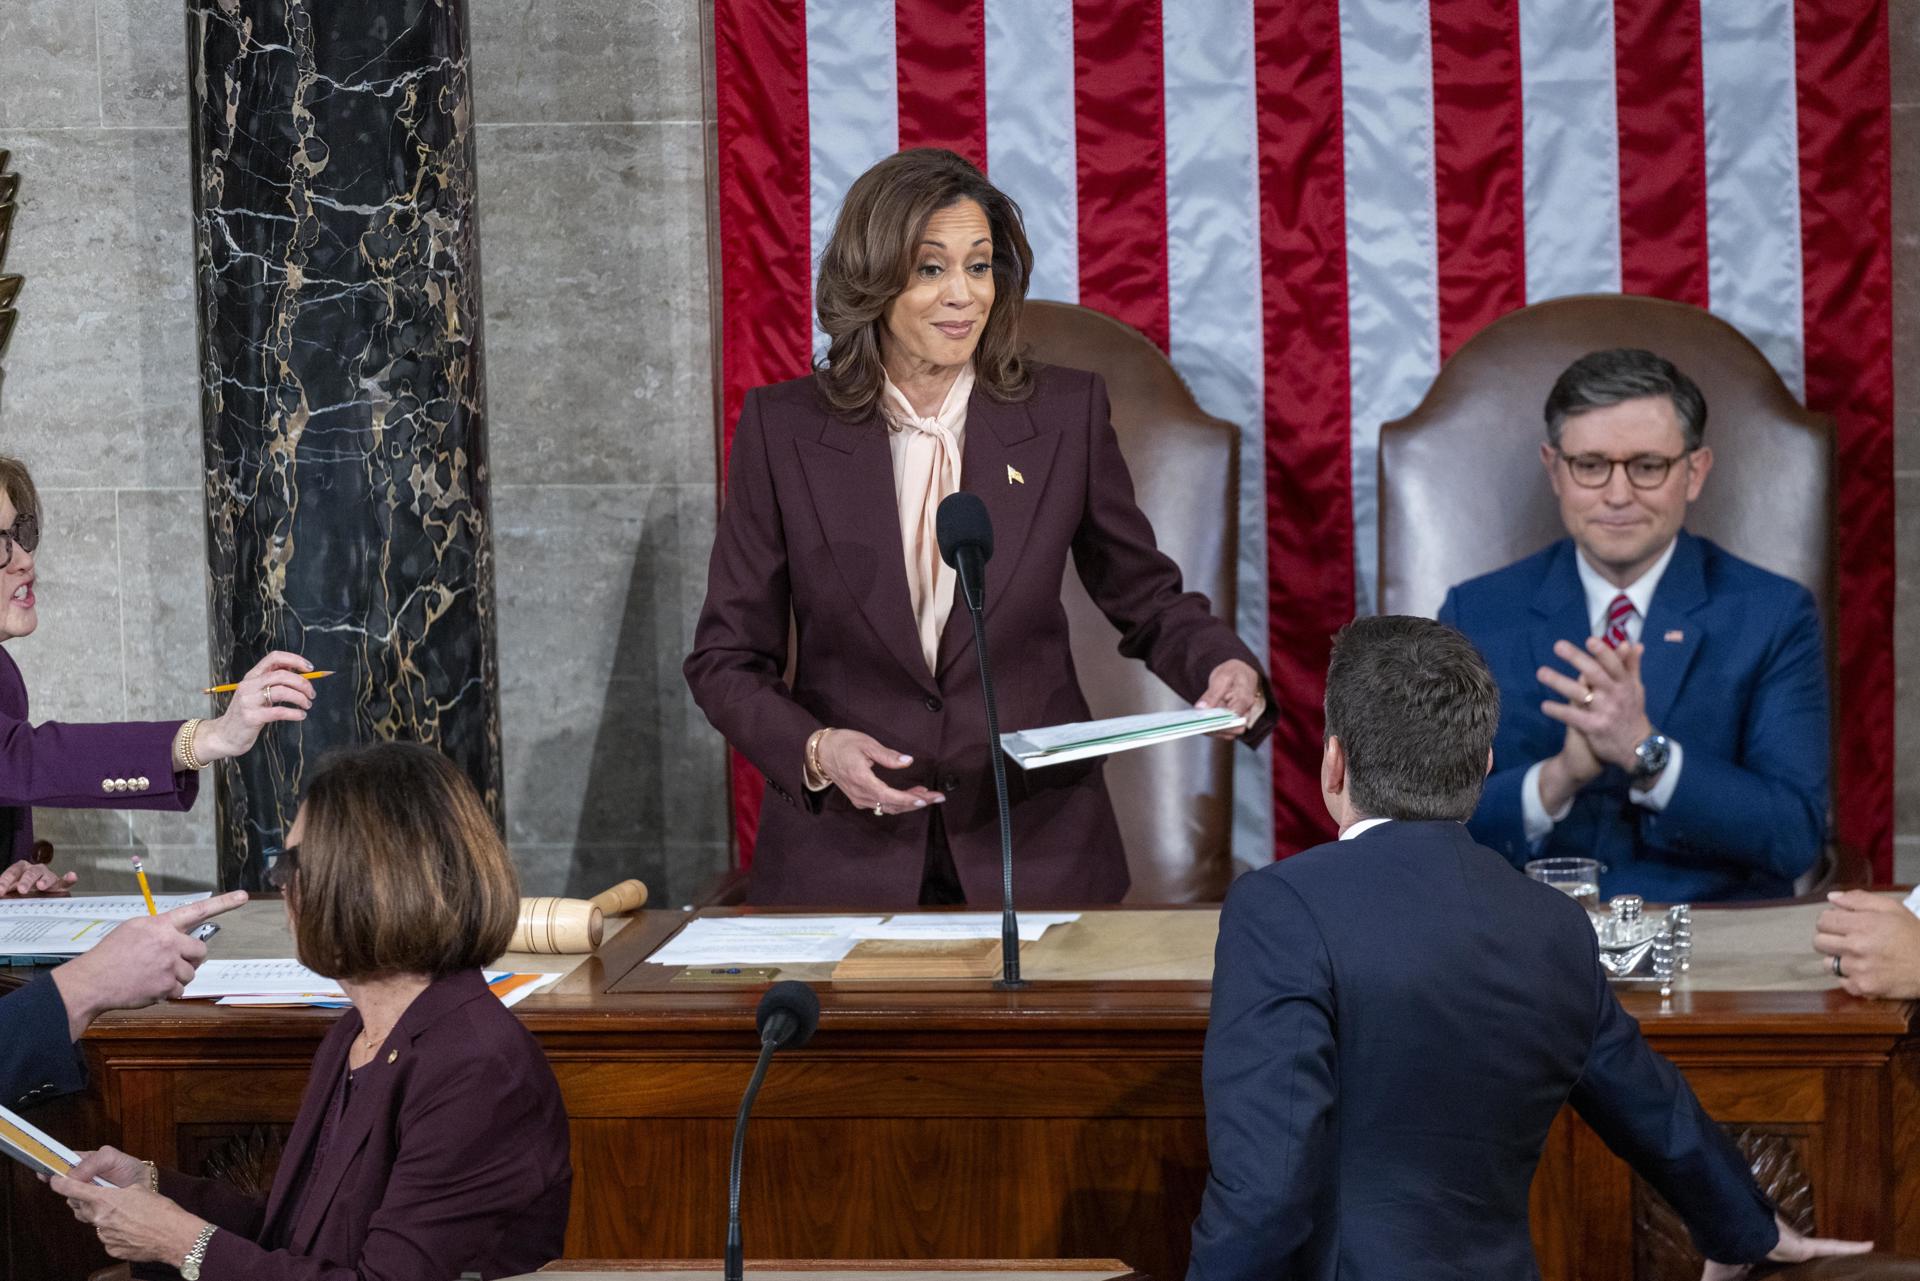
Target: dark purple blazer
(811, 529)
(452, 1157)
(126, 765)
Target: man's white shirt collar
(1600, 592)
(1365, 824)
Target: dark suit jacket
(37, 1057)
(811, 531)
(1733, 672)
(1396, 1021)
(79, 766)
(451, 1157)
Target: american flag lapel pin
(1014, 477)
(1675, 636)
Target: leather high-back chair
(1174, 802)
(1462, 491)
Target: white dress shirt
(1363, 825)
(1535, 820)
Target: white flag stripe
(1214, 305)
(853, 107)
(1753, 177)
(1393, 307)
(1030, 133)
(1571, 148)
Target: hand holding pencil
(278, 688)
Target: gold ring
(266, 696)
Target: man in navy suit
(1398, 1016)
(1683, 737)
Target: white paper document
(763, 940)
(1057, 744)
(35, 1148)
(278, 977)
(98, 907)
(964, 925)
(51, 935)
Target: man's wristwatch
(1650, 756)
(190, 1266)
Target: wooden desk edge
(1116, 1270)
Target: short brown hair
(1415, 707)
(17, 482)
(401, 870)
(1602, 378)
(869, 258)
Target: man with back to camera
(1398, 1016)
(1683, 738)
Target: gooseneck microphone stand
(1009, 923)
(787, 1016)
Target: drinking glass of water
(1578, 878)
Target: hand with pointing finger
(848, 758)
(143, 960)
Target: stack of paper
(1057, 744)
(287, 982)
(964, 925)
(825, 940)
(46, 931)
(35, 1148)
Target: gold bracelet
(815, 771)
(183, 745)
(153, 1176)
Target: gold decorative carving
(9, 285)
(246, 1160)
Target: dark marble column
(341, 383)
(9, 285)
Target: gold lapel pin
(1014, 477)
(1676, 636)
(392, 1055)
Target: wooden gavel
(559, 926)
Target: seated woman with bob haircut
(431, 1140)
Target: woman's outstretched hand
(849, 758)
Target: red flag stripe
(760, 72)
(1119, 89)
(1847, 301)
(1303, 249)
(1477, 161)
(942, 75)
(1663, 149)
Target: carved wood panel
(1662, 1249)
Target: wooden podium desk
(855, 1270)
(1063, 1121)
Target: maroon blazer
(811, 530)
(127, 765)
(451, 1157)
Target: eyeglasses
(24, 533)
(280, 875)
(1644, 471)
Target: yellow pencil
(146, 893)
(228, 689)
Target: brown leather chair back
(1175, 801)
(1461, 487)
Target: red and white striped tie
(1617, 615)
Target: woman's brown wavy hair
(869, 259)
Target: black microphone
(787, 1016)
(965, 532)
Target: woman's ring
(1588, 700)
(879, 811)
(266, 696)
(1833, 963)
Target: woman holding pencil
(150, 765)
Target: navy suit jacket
(37, 1057)
(1733, 673)
(1396, 1021)
(451, 1156)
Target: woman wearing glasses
(151, 765)
(432, 1140)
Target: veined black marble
(342, 392)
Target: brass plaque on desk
(727, 975)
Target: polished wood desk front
(1063, 1121)
(851, 1270)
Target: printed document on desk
(51, 936)
(962, 925)
(94, 907)
(764, 940)
(1058, 744)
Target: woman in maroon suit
(431, 1140)
(150, 765)
(875, 751)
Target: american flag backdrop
(1310, 204)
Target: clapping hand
(1607, 703)
(1793, 1248)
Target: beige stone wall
(593, 243)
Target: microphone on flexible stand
(966, 543)
(787, 1017)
